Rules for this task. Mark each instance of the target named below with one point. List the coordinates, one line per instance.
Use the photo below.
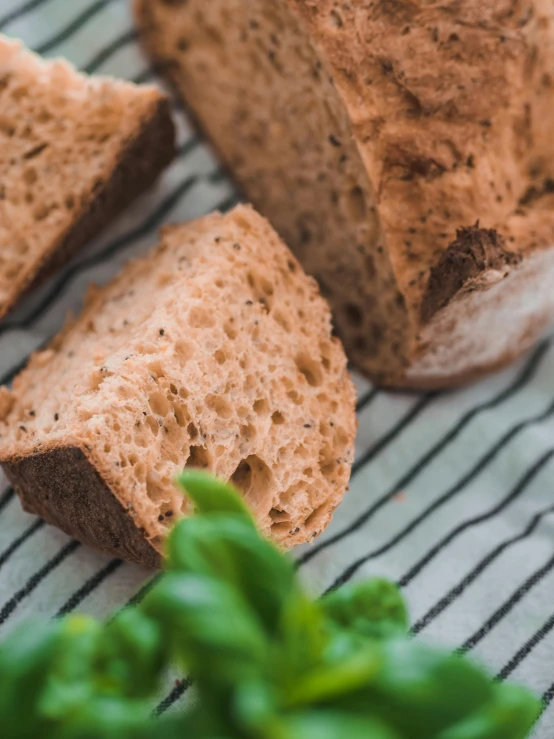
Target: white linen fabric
(451, 493)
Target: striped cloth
(451, 493)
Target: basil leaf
(131, 656)
(374, 608)
(331, 725)
(211, 495)
(509, 715)
(421, 690)
(209, 627)
(228, 549)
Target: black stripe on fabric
(493, 555)
(149, 224)
(526, 649)
(20, 11)
(6, 497)
(178, 691)
(73, 26)
(519, 488)
(125, 38)
(462, 483)
(513, 600)
(148, 75)
(21, 539)
(139, 596)
(143, 592)
(547, 696)
(89, 586)
(415, 411)
(218, 176)
(11, 373)
(144, 76)
(9, 607)
(367, 400)
(520, 382)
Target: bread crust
(65, 486)
(140, 163)
(126, 165)
(448, 107)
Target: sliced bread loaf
(74, 151)
(405, 151)
(214, 351)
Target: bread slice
(74, 151)
(214, 351)
(405, 151)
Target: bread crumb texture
(215, 352)
(73, 151)
(373, 133)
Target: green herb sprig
(268, 661)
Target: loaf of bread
(214, 351)
(405, 151)
(74, 151)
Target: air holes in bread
(261, 407)
(220, 406)
(282, 320)
(155, 487)
(152, 424)
(278, 516)
(296, 398)
(200, 317)
(159, 404)
(230, 330)
(335, 20)
(180, 415)
(314, 520)
(252, 476)
(278, 418)
(242, 476)
(310, 368)
(183, 350)
(198, 457)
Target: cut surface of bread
(405, 151)
(214, 351)
(74, 151)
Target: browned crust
(147, 37)
(139, 163)
(420, 174)
(452, 382)
(474, 251)
(62, 485)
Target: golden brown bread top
(462, 123)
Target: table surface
(451, 495)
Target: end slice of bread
(375, 136)
(214, 351)
(74, 151)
